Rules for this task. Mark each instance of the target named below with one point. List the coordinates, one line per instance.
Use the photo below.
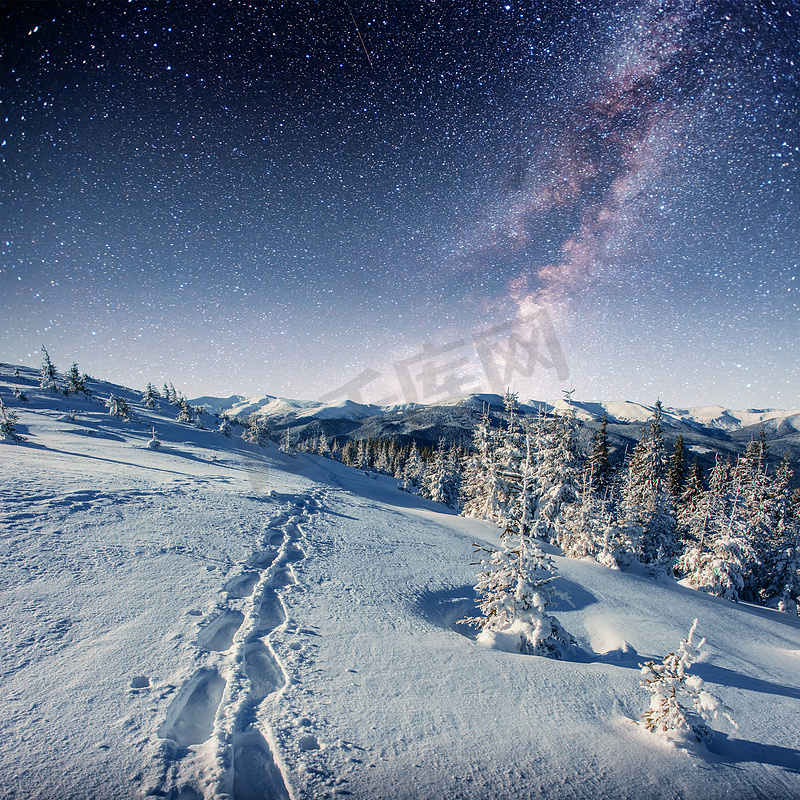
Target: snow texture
(215, 619)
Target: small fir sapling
(678, 701)
(8, 424)
(49, 374)
(118, 407)
(20, 395)
(154, 442)
(151, 394)
(75, 381)
(185, 414)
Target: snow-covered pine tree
(483, 486)
(600, 460)
(185, 414)
(151, 395)
(780, 580)
(20, 395)
(441, 480)
(257, 430)
(590, 528)
(49, 374)
(508, 454)
(154, 442)
(720, 559)
(558, 475)
(413, 471)
(515, 585)
(676, 478)
(287, 445)
(8, 424)
(75, 381)
(118, 407)
(646, 503)
(678, 701)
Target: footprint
(263, 559)
(140, 682)
(255, 774)
(218, 634)
(271, 613)
(283, 578)
(190, 719)
(294, 554)
(242, 585)
(308, 742)
(265, 675)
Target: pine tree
(75, 381)
(600, 460)
(678, 701)
(287, 446)
(8, 424)
(185, 414)
(257, 430)
(647, 505)
(413, 471)
(151, 395)
(49, 374)
(677, 471)
(441, 479)
(515, 584)
(118, 407)
(557, 476)
(721, 559)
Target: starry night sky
(286, 198)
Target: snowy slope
(214, 619)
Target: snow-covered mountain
(617, 411)
(706, 430)
(208, 618)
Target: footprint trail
(217, 709)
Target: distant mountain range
(706, 430)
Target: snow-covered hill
(619, 411)
(214, 619)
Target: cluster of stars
(359, 179)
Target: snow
(619, 411)
(215, 619)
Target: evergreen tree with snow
(75, 381)
(413, 470)
(678, 700)
(646, 503)
(676, 479)
(515, 586)
(224, 426)
(49, 374)
(257, 430)
(720, 558)
(8, 424)
(591, 529)
(557, 473)
(484, 487)
(118, 407)
(151, 396)
(441, 482)
(600, 461)
(185, 414)
(287, 445)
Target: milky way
(405, 201)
